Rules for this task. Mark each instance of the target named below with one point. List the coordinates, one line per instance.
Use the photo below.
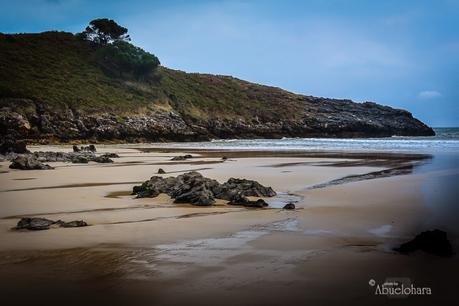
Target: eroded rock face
(36, 224)
(193, 188)
(316, 117)
(11, 145)
(433, 242)
(28, 162)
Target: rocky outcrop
(36, 224)
(27, 119)
(80, 157)
(433, 242)
(193, 188)
(168, 105)
(28, 162)
(11, 145)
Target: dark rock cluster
(35, 224)
(433, 242)
(28, 162)
(198, 190)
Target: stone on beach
(35, 224)
(28, 162)
(289, 206)
(182, 157)
(432, 242)
(198, 190)
(161, 171)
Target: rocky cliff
(52, 90)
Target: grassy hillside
(53, 87)
(57, 68)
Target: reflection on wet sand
(154, 252)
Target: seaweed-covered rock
(192, 187)
(433, 242)
(35, 224)
(75, 223)
(248, 188)
(28, 162)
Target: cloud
(429, 94)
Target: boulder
(35, 224)
(79, 159)
(289, 206)
(432, 242)
(182, 157)
(249, 188)
(192, 187)
(76, 223)
(240, 199)
(161, 171)
(28, 162)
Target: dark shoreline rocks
(28, 162)
(38, 122)
(192, 187)
(37, 224)
(433, 242)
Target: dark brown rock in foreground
(432, 242)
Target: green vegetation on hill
(60, 68)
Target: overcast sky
(400, 53)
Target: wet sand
(351, 210)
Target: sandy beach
(351, 210)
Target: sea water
(445, 140)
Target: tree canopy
(123, 57)
(114, 53)
(104, 31)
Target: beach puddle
(213, 251)
(281, 199)
(317, 232)
(381, 231)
